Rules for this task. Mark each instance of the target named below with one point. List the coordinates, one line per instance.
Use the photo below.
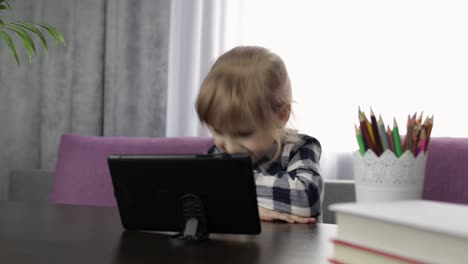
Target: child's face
(255, 142)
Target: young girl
(245, 100)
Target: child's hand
(269, 215)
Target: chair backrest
(82, 174)
(446, 177)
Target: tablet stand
(194, 218)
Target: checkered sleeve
(295, 186)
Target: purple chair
(446, 178)
(82, 174)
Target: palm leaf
(26, 30)
(51, 32)
(27, 40)
(36, 31)
(56, 35)
(6, 4)
(10, 44)
(62, 39)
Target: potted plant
(26, 30)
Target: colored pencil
(396, 138)
(429, 130)
(390, 139)
(422, 140)
(369, 128)
(360, 139)
(409, 134)
(383, 135)
(420, 118)
(415, 139)
(373, 135)
(424, 125)
(365, 132)
(375, 130)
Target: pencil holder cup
(388, 178)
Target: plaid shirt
(292, 183)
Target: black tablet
(192, 194)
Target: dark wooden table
(35, 233)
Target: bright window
(397, 56)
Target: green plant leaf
(26, 31)
(56, 35)
(33, 29)
(62, 39)
(51, 32)
(10, 44)
(27, 40)
(7, 3)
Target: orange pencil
(369, 128)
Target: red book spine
(376, 252)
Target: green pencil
(360, 140)
(396, 138)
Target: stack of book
(415, 232)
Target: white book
(427, 231)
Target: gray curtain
(110, 79)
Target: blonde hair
(248, 87)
